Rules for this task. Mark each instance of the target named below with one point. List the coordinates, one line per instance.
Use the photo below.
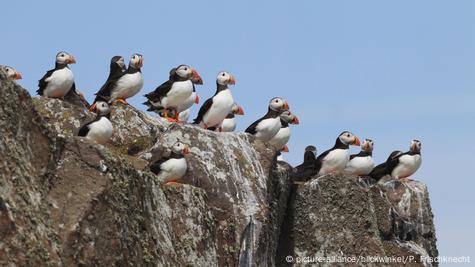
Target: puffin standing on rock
(12, 74)
(216, 108)
(307, 168)
(269, 125)
(117, 68)
(56, 83)
(400, 165)
(362, 163)
(283, 135)
(335, 159)
(175, 92)
(100, 129)
(172, 168)
(229, 123)
(122, 85)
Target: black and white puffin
(193, 99)
(100, 129)
(229, 123)
(123, 85)
(269, 125)
(362, 163)
(175, 92)
(56, 83)
(216, 108)
(12, 74)
(282, 137)
(335, 159)
(400, 165)
(172, 168)
(117, 68)
(307, 168)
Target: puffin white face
(367, 145)
(225, 78)
(11, 73)
(278, 104)
(348, 138)
(184, 71)
(180, 148)
(64, 58)
(237, 109)
(416, 146)
(102, 107)
(136, 61)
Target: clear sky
(387, 70)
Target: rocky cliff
(67, 202)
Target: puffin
(269, 125)
(400, 165)
(283, 135)
(56, 83)
(100, 129)
(215, 109)
(175, 92)
(193, 99)
(12, 74)
(122, 85)
(307, 168)
(117, 68)
(335, 159)
(172, 168)
(361, 164)
(229, 123)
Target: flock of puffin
(173, 99)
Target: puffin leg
(121, 100)
(172, 182)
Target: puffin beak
(285, 149)
(71, 60)
(17, 75)
(140, 64)
(295, 120)
(286, 105)
(232, 80)
(197, 99)
(92, 108)
(413, 146)
(186, 150)
(240, 111)
(356, 142)
(196, 78)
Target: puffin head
(118, 61)
(289, 117)
(312, 149)
(416, 146)
(278, 104)
(102, 108)
(64, 58)
(348, 138)
(237, 110)
(136, 61)
(186, 72)
(180, 148)
(225, 78)
(11, 73)
(367, 145)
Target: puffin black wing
(155, 166)
(160, 92)
(42, 83)
(386, 168)
(86, 127)
(361, 154)
(206, 106)
(105, 92)
(252, 128)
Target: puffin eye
(223, 74)
(347, 135)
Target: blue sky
(390, 71)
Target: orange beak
(71, 60)
(285, 149)
(196, 78)
(197, 99)
(240, 111)
(186, 150)
(92, 108)
(140, 64)
(286, 105)
(295, 120)
(356, 142)
(232, 80)
(17, 75)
